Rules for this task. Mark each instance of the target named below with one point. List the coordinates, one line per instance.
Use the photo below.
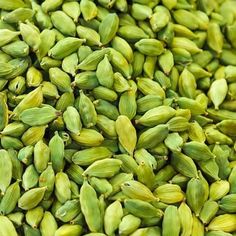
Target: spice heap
(118, 117)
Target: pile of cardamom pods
(117, 117)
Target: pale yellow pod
(219, 189)
(88, 138)
(31, 198)
(169, 193)
(62, 187)
(226, 223)
(185, 43)
(105, 168)
(112, 217)
(7, 227)
(126, 133)
(218, 92)
(6, 168)
(186, 219)
(32, 99)
(187, 84)
(215, 38)
(3, 112)
(34, 216)
(48, 225)
(32, 135)
(72, 230)
(129, 224)
(198, 227)
(123, 47)
(136, 190)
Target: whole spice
(117, 117)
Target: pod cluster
(118, 117)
